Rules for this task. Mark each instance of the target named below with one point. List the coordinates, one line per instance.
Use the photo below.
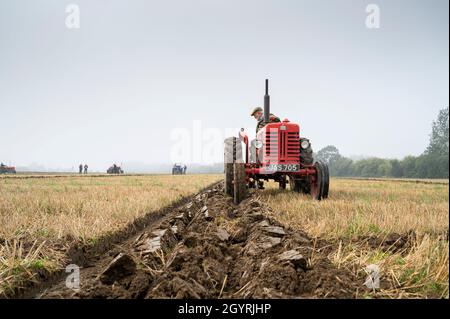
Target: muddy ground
(211, 248)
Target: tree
(384, 168)
(408, 165)
(342, 167)
(396, 168)
(431, 166)
(433, 163)
(439, 135)
(329, 154)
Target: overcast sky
(115, 89)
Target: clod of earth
(294, 257)
(275, 230)
(121, 266)
(163, 239)
(222, 234)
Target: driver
(258, 114)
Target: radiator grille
(282, 146)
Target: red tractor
(278, 153)
(7, 169)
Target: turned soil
(209, 247)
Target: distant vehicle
(179, 169)
(7, 169)
(115, 170)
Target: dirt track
(211, 248)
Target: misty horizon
(145, 167)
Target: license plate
(282, 167)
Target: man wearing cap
(257, 113)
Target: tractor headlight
(305, 144)
(258, 144)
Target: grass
(363, 207)
(19, 263)
(377, 208)
(41, 217)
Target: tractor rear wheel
(316, 182)
(232, 156)
(239, 182)
(229, 176)
(325, 180)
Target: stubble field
(41, 217)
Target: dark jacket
(261, 123)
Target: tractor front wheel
(282, 183)
(299, 185)
(294, 185)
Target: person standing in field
(81, 169)
(85, 168)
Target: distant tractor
(179, 169)
(279, 153)
(115, 170)
(7, 169)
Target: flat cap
(256, 109)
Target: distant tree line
(432, 163)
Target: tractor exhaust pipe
(267, 103)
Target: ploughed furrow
(211, 248)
